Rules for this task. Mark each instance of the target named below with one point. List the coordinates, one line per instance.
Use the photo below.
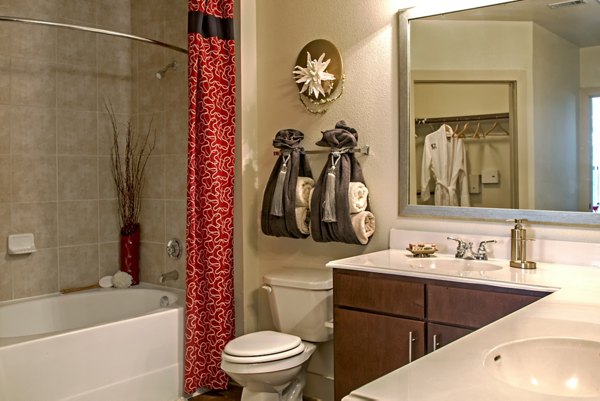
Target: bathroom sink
(453, 265)
(553, 366)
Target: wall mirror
(517, 83)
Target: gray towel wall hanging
(283, 214)
(339, 208)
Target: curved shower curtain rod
(94, 30)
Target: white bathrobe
(445, 162)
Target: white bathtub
(100, 345)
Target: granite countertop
(456, 371)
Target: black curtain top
(210, 26)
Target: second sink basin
(453, 265)
(554, 366)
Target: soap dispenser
(518, 248)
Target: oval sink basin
(453, 265)
(553, 366)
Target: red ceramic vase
(130, 252)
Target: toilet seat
(262, 346)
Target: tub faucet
(464, 250)
(172, 275)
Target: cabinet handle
(411, 340)
(436, 344)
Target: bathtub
(99, 345)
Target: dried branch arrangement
(128, 166)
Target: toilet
(270, 365)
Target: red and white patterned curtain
(209, 290)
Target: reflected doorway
(594, 118)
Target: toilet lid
(262, 346)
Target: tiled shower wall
(54, 139)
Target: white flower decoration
(313, 75)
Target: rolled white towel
(310, 195)
(303, 188)
(364, 226)
(357, 197)
(302, 220)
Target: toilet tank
(301, 301)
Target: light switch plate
(490, 176)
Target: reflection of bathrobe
(445, 160)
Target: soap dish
(422, 250)
(21, 244)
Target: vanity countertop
(456, 371)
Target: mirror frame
(455, 212)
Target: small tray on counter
(420, 250)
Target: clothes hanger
(494, 126)
(461, 133)
(477, 130)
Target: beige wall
(54, 155)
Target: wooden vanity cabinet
(383, 321)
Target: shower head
(160, 74)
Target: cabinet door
(368, 345)
(470, 307)
(439, 335)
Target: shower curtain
(209, 287)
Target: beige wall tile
(4, 226)
(5, 278)
(33, 178)
(152, 261)
(115, 89)
(76, 87)
(108, 224)
(32, 83)
(114, 15)
(77, 132)
(4, 129)
(108, 258)
(120, 62)
(154, 124)
(5, 181)
(77, 177)
(176, 129)
(78, 11)
(5, 39)
(34, 43)
(152, 221)
(175, 220)
(39, 218)
(176, 177)
(33, 130)
(76, 48)
(35, 274)
(150, 89)
(34, 8)
(154, 186)
(105, 129)
(5, 78)
(106, 183)
(78, 266)
(77, 222)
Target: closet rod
(363, 151)
(476, 117)
(90, 29)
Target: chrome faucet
(464, 250)
(172, 275)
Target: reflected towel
(364, 226)
(303, 220)
(304, 185)
(310, 195)
(357, 197)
